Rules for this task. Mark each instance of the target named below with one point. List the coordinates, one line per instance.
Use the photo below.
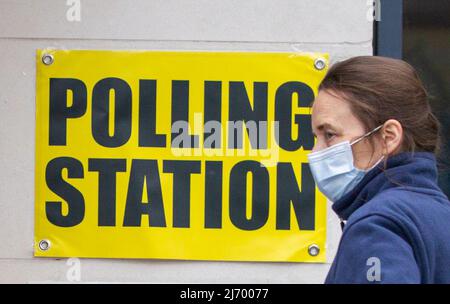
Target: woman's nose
(318, 146)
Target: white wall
(340, 28)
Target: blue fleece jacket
(397, 225)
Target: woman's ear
(392, 134)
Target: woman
(374, 158)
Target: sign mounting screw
(313, 250)
(44, 245)
(320, 64)
(47, 59)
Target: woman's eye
(328, 135)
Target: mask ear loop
(365, 135)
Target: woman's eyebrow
(323, 126)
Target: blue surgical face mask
(333, 169)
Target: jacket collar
(406, 169)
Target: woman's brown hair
(379, 88)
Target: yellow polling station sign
(177, 155)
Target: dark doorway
(418, 31)
(426, 46)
